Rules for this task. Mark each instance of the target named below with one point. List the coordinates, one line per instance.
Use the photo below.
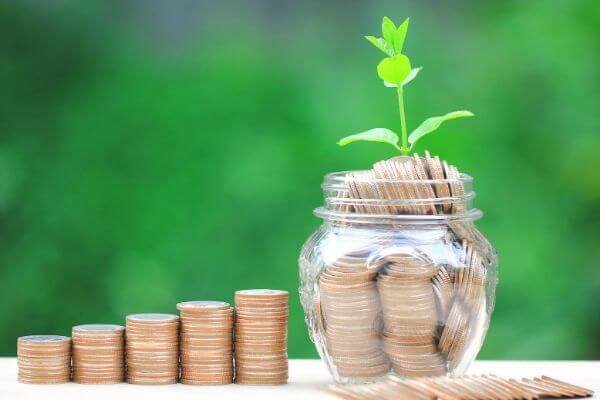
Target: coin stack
(410, 316)
(444, 293)
(44, 359)
(152, 344)
(350, 312)
(468, 303)
(261, 337)
(206, 342)
(98, 353)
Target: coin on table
(152, 348)
(44, 359)
(206, 343)
(98, 353)
(261, 336)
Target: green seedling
(395, 71)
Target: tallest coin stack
(261, 337)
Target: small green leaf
(388, 30)
(431, 124)
(412, 75)
(381, 45)
(400, 35)
(382, 135)
(394, 69)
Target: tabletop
(306, 376)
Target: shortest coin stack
(44, 359)
(152, 347)
(261, 337)
(98, 352)
(206, 342)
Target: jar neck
(373, 197)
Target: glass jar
(397, 279)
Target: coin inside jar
(410, 316)
(350, 312)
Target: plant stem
(404, 149)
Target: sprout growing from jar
(395, 71)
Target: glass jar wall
(397, 279)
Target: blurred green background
(153, 152)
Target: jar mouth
(326, 214)
(362, 196)
(338, 180)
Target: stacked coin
(152, 343)
(410, 316)
(261, 337)
(444, 293)
(98, 353)
(206, 342)
(44, 359)
(350, 312)
(468, 303)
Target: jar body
(409, 298)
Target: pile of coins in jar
(383, 304)
(197, 347)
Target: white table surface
(305, 378)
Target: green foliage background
(153, 152)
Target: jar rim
(359, 196)
(327, 214)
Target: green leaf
(394, 69)
(388, 30)
(412, 75)
(431, 124)
(381, 45)
(400, 35)
(382, 135)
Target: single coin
(202, 306)
(43, 339)
(152, 318)
(91, 329)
